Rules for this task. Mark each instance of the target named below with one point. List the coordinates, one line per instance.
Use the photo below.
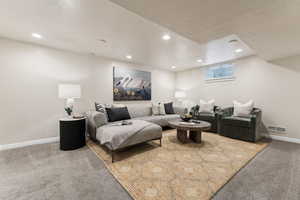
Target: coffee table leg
(195, 136)
(182, 135)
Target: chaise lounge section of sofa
(144, 127)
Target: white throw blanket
(116, 135)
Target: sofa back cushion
(117, 114)
(180, 110)
(139, 110)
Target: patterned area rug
(178, 171)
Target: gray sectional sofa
(145, 127)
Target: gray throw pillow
(100, 119)
(102, 109)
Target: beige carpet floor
(178, 171)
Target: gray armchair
(212, 118)
(242, 128)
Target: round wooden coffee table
(194, 129)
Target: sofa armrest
(256, 116)
(255, 112)
(217, 109)
(218, 112)
(180, 110)
(95, 120)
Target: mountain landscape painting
(131, 84)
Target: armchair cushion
(209, 115)
(211, 118)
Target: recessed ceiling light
(173, 67)
(129, 57)
(36, 35)
(166, 37)
(199, 60)
(238, 50)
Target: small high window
(220, 72)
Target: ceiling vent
(102, 40)
(233, 41)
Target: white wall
(273, 86)
(163, 82)
(29, 77)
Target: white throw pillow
(207, 107)
(158, 109)
(162, 110)
(242, 110)
(155, 109)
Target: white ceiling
(79, 25)
(270, 27)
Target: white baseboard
(28, 143)
(286, 139)
(56, 139)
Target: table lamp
(69, 92)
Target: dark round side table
(72, 133)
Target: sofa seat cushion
(162, 120)
(237, 121)
(171, 117)
(118, 136)
(156, 119)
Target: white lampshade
(66, 91)
(180, 94)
